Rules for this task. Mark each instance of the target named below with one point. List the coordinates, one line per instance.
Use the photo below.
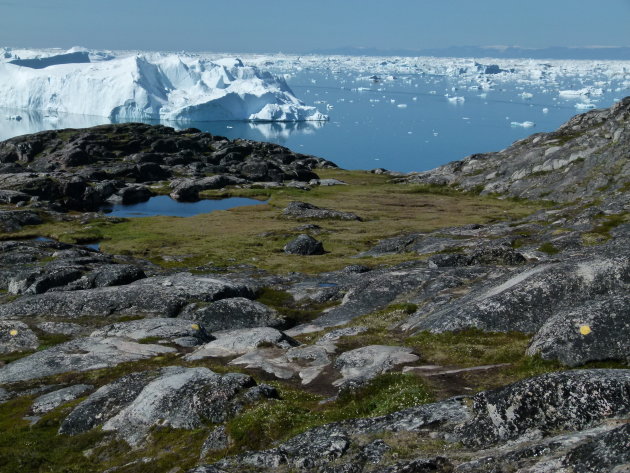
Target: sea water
(406, 122)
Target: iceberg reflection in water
(31, 121)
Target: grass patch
(294, 312)
(297, 411)
(548, 248)
(255, 235)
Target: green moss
(38, 448)
(298, 411)
(294, 312)
(548, 248)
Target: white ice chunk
(525, 124)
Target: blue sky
(301, 26)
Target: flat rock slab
(568, 400)
(305, 361)
(365, 363)
(177, 397)
(16, 336)
(233, 313)
(157, 296)
(160, 329)
(238, 342)
(48, 402)
(82, 354)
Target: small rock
(304, 245)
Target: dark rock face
(233, 313)
(585, 157)
(157, 297)
(302, 210)
(14, 220)
(304, 245)
(570, 400)
(69, 167)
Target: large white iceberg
(164, 87)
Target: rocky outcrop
(362, 364)
(233, 313)
(585, 157)
(237, 342)
(84, 169)
(176, 397)
(302, 210)
(157, 297)
(570, 400)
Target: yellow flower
(585, 329)
(195, 326)
(13, 332)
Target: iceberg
(162, 87)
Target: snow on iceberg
(166, 87)
(581, 93)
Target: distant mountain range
(553, 52)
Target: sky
(298, 26)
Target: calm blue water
(164, 205)
(406, 124)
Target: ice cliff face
(165, 87)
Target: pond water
(165, 206)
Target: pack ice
(165, 87)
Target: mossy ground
(255, 235)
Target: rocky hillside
(589, 156)
(357, 322)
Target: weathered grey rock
(63, 328)
(304, 245)
(156, 296)
(106, 402)
(362, 364)
(603, 453)
(570, 400)
(233, 313)
(335, 335)
(421, 465)
(165, 329)
(16, 336)
(181, 398)
(595, 330)
(48, 402)
(297, 209)
(305, 361)
(238, 342)
(115, 275)
(82, 354)
(526, 300)
(217, 440)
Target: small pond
(163, 205)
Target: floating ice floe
(584, 106)
(165, 87)
(526, 95)
(585, 92)
(526, 124)
(456, 99)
